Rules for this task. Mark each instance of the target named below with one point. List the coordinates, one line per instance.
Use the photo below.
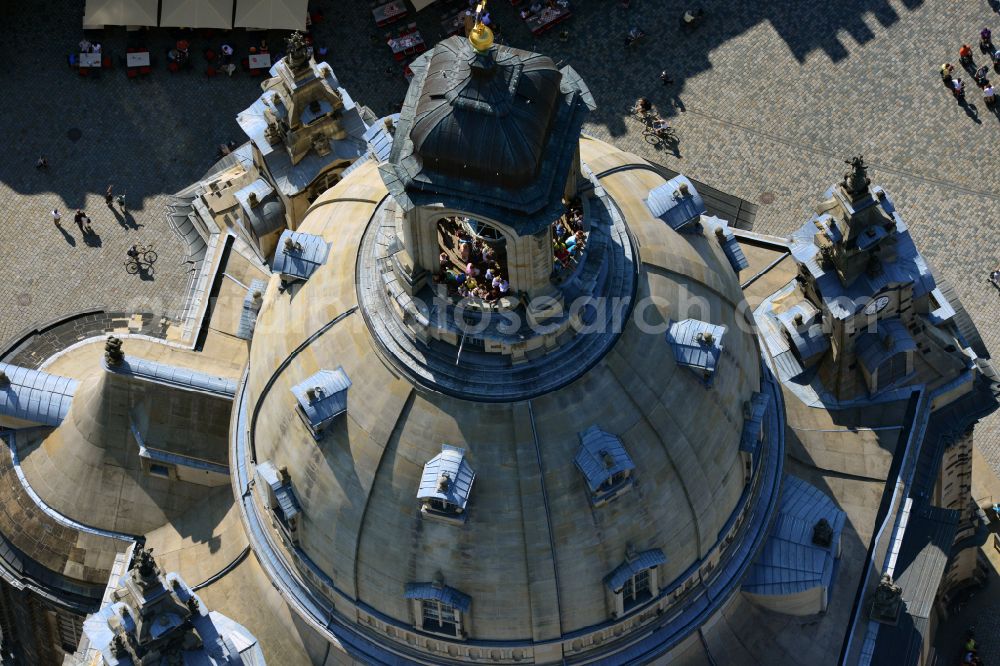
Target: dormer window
(635, 581)
(697, 345)
(437, 608)
(298, 255)
(445, 485)
(321, 399)
(727, 239)
(754, 411)
(606, 466)
(886, 355)
(676, 202)
(279, 498)
(251, 307)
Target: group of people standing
(980, 75)
(81, 219)
(479, 272)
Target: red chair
(145, 70)
(132, 72)
(84, 71)
(210, 72)
(173, 67)
(398, 56)
(106, 62)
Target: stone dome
(533, 553)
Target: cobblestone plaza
(767, 100)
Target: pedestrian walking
(78, 218)
(980, 77)
(665, 78)
(42, 163)
(965, 55)
(109, 197)
(56, 217)
(958, 90)
(946, 70)
(121, 202)
(995, 278)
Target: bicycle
(142, 260)
(657, 136)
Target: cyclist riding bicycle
(133, 253)
(642, 106)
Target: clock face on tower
(876, 305)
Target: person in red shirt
(965, 54)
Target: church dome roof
(532, 537)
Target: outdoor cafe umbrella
(197, 14)
(120, 12)
(272, 14)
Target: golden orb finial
(481, 37)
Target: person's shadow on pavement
(67, 236)
(970, 110)
(92, 239)
(125, 219)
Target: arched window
(472, 259)
(892, 369)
